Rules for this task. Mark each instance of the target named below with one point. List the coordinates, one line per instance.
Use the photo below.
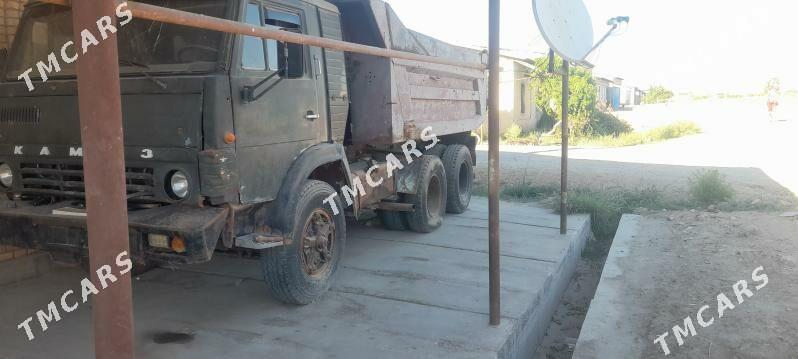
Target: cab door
(276, 108)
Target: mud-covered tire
(437, 151)
(430, 198)
(459, 168)
(289, 270)
(392, 220)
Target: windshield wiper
(159, 83)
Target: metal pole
(603, 38)
(177, 17)
(104, 171)
(565, 135)
(493, 159)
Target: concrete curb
(532, 327)
(605, 333)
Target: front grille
(66, 180)
(19, 115)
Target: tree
(582, 100)
(657, 94)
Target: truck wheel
(459, 178)
(437, 151)
(393, 220)
(302, 271)
(430, 198)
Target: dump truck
(242, 145)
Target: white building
(517, 97)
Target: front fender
(307, 162)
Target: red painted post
(104, 171)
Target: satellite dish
(566, 27)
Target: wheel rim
(318, 243)
(464, 183)
(434, 197)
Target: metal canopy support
(100, 104)
(564, 160)
(493, 159)
(199, 21)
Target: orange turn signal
(178, 244)
(229, 138)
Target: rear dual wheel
(445, 186)
(429, 201)
(393, 220)
(459, 166)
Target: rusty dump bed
(393, 100)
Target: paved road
(738, 138)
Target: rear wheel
(430, 198)
(437, 151)
(302, 271)
(459, 177)
(392, 220)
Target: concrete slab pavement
(398, 295)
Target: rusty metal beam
(493, 163)
(566, 89)
(177, 17)
(100, 103)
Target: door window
(285, 57)
(253, 57)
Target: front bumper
(24, 225)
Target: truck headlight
(178, 185)
(6, 175)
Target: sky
(698, 46)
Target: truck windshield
(161, 47)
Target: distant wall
(516, 99)
(10, 11)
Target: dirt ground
(755, 154)
(684, 260)
(705, 253)
(566, 324)
(694, 256)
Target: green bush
(546, 122)
(709, 187)
(657, 94)
(512, 133)
(606, 124)
(605, 206)
(674, 130)
(528, 192)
